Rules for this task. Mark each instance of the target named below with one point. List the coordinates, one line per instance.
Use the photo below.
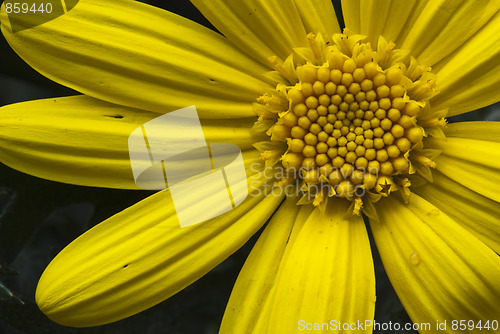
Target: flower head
(353, 119)
(354, 122)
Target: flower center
(354, 119)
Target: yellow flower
(355, 121)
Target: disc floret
(352, 119)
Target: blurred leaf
(7, 295)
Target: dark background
(38, 218)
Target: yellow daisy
(347, 123)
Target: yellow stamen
(435, 122)
(280, 69)
(269, 155)
(358, 205)
(424, 161)
(352, 123)
(311, 39)
(273, 101)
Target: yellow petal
(84, 141)
(482, 152)
(468, 78)
(140, 56)
(318, 16)
(260, 28)
(406, 26)
(373, 18)
(438, 269)
(326, 273)
(444, 25)
(375, 15)
(476, 213)
(402, 16)
(262, 323)
(351, 12)
(258, 275)
(140, 257)
(489, 131)
(473, 163)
